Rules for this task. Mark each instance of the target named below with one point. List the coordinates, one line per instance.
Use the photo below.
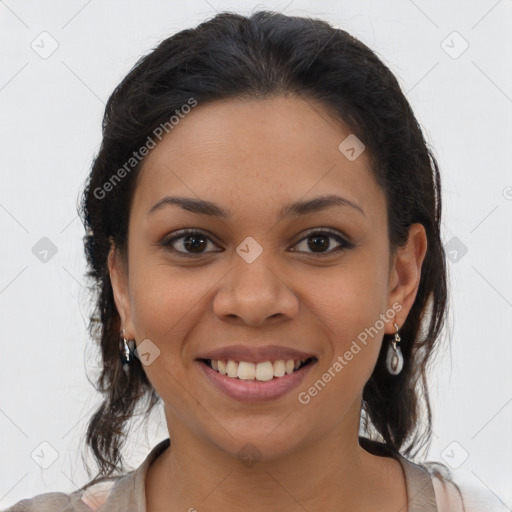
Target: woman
(263, 228)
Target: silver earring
(394, 359)
(126, 357)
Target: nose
(252, 293)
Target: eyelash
(345, 244)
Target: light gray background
(51, 129)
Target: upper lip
(255, 354)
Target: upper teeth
(259, 371)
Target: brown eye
(195, 243)
(189, 242)
(319, 242)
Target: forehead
(255, 149)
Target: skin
(250, 157)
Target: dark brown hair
(263, 55)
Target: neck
(331, 472)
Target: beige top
(425, 492)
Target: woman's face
(262, 283)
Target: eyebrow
(202, 207)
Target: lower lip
(254, 390)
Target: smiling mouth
(262, 371)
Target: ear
(119, 278)
(404, 279)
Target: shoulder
(92, 498)
(458, 495)
(466, 497)
(125, 491)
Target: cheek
(169, 305)
(350, 321)
(350, 303)
(163, 310)
(163, 304)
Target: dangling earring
(394, 359)
(126, 358)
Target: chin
(265, 440)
